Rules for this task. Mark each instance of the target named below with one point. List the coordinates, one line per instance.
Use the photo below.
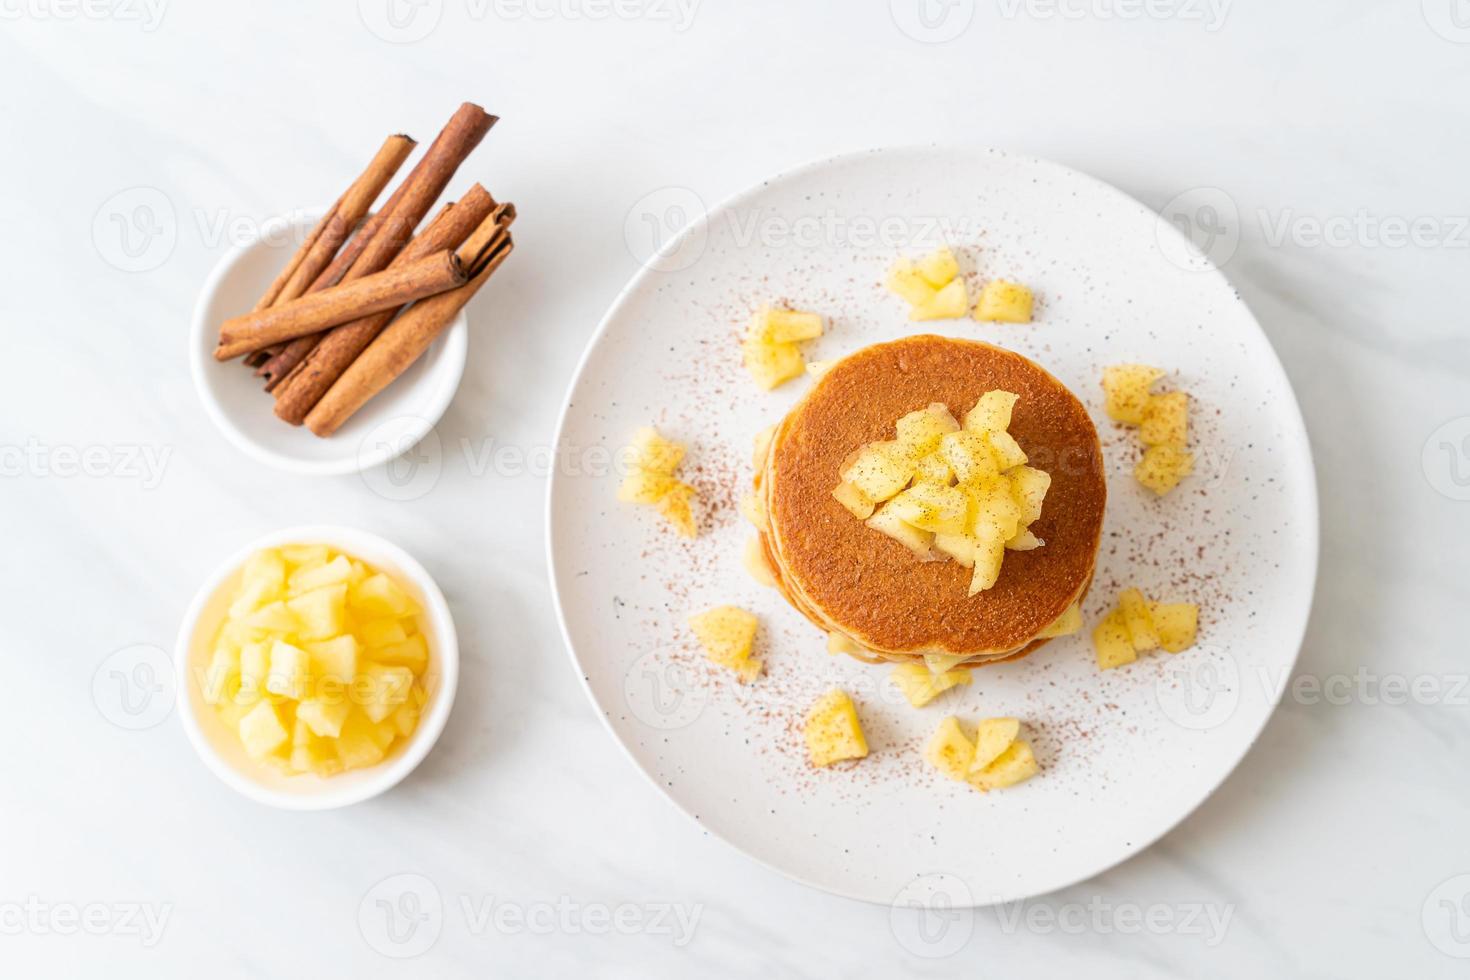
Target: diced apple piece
(1004, 302)
(289, 675)
(992, 413)
(655, 454)
(1165, 420)
(1028, 488)
(337, 570)
(324, 715)
(412, 653)
(406, 718)
(255, 664)
(322, 612)
(677, 506)
(882, 469)
(274, 617)
(938, 267)
(785, 326)
(1177, 623)
(1008, 452)
(832, 730)
(1139, 621)
(859, 504)
(1069, 622)
(262, 731)
(1015, 765)
(761, 445)
(222, 677)
(1162, 467)
(305, 554)
(950, 303)
(992, 737)
(921, 687)
(994, 512)
(931, 507)
(968, 455)
(960, 547)
(381, 633)
(378, 595)
(1125, 390)
(262, 581)
(754, 560)
(989, 553)
(772, 364)
(816, 369)
(1024, 540)
(904, 280)
(337, 658)
(380, 689)
(895, 527)
(645, 487)
(923, 429)
(1112, 642)
(950, 750)
(357, 746)
(727, 634)
(943, 663)
(753, 509)
(838, 643)
(934, 469)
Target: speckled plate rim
(1298, 455)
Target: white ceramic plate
(386, 427)
(1126, 754)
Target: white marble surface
(1333, 850)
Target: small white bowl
(390, 424)
(219, 746)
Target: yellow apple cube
(335, 658)
(931, 507)
(305, 554)
(273, 617)
(1126, 391)
(380, 689)
(882, 469)
(816, 369)
(412, 653)
(905, 281)
(255, 664)
(289, 675)
(753, 558)
(1015, 765)
(968, 455)
(645, 487)
(1006, 449)
(992, 737)
(922, 430)
(949, 303)
(324, 716)
(992, 413)
(1069, 622)
(920, 686)
(381, 633)
(655, 454)
(1177, 624)
(222, 677)
(677, 507)
(1023, 540)
(727, 634)
(859, 504)
(785, 326)
(357, 745)
(378, 595)
(889, 523)
(262, 581)
(832, 730)
(938, 267)
(1139, 621)
(262, 731)
(1165, 420)
(1162, 467)
(322, 612)
(771, 364)
(933, 468)
(753, 509)
(943, 663)
(990, 552)
(1028, 489)
(950, 750)
(338, 570)
(959, 547)
(1004, 302)
(1113, 643)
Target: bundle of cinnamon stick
(364, 297)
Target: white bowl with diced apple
(347, 593)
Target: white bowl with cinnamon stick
(342, 352)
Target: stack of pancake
(875, 598)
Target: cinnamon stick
(332, 229)
(346, 303)
(388, 231)
(407, 337)
(325, 364)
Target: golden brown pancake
(851, 579)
